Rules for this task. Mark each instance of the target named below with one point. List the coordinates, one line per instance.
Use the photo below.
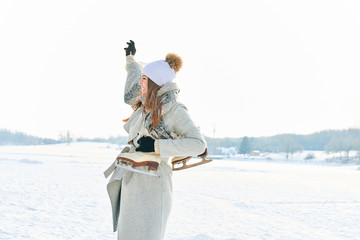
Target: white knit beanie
(163, 71)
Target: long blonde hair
(152, 103)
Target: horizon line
(263, 136)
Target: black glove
(130, 49)
(146, 144)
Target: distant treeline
(8, 137)
(121, 140)
(18, 138)
(329, 140)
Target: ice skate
(183, 162)
(131, 162)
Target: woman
(141, 203)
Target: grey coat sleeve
(191, 141)
(132, 86)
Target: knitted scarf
(168, 95)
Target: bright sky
(254, 68)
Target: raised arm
(132, 86)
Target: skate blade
(131, 169)
(186, 166)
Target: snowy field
(59, 192)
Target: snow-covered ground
(59, 192)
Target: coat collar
(170, 87)
(168, 96)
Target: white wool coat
(141, 204)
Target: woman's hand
(130, 49)
(146, 144)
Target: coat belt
(109, 170)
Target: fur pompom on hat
(174, 61)
(163, 71)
